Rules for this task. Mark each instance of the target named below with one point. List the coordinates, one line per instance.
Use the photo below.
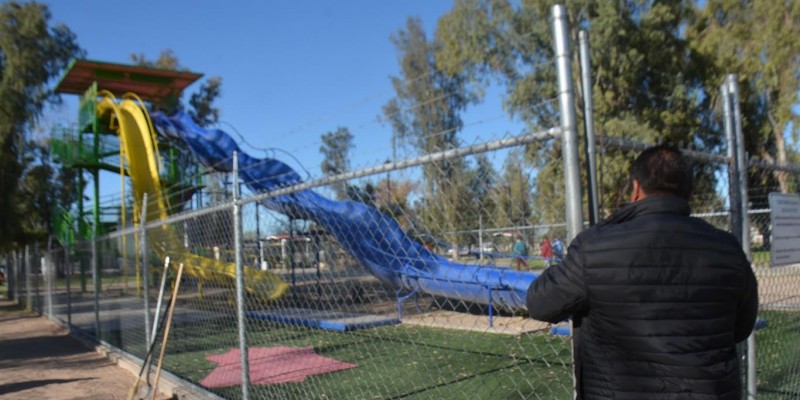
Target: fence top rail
(761, 163)
(493, 145)
(413, 162)
(629, 144)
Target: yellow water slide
(138, 145)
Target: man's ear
(637, 193)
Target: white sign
(785, 228)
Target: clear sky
(291, 70)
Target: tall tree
(32, 53)
(45, 190)
(335, 149)
(391, 196)
(203, 110)
(758, 41)
(647, 80)
(426, 112)
(512, 195)
(482, 183)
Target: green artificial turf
(394, 362)
(778, 355)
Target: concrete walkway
(39, 360)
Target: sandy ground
(477, 323)
(39, 360)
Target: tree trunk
(780, 152)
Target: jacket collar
(666, 204)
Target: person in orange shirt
(545, 250)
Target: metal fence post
(569, 135)
(28, 291)
(11, 277)
(68, 275)
(741, 160)
(20, 274)
(37, 280)
(588, 123)
(148, 339)
(237, 239)
(20, 265)
(96, 284)
(292, 249)
(734, 193)
(569, 132)
(48, 265)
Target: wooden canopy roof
(150, 84)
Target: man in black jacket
(658, 299)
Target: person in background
(520, 253)
(558, 249)
(658, 299)
(546, 251)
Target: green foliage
(166, 60)
(363, 194)
(512, 194)
(392, 197)
(481, 184)
(336, 146)
(640, 90)
(656, 67)
(32, 53)
(758, 41)
(426, 112)
(203, 111)
(44, 190)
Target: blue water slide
(374, 239)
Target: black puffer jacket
(658, 299)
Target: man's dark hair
(662, 170)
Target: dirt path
(38, 360)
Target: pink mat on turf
(270, 365)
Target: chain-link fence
(778, 359)
(401, 280)
(409, 283)
(308, 294)
(402, 302)
(718, 199)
